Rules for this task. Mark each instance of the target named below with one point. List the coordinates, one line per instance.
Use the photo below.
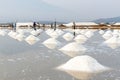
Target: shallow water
(21, 61)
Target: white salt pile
(49, 31)
(77, 31)
(107, 35)
(101, 32)
(83, 63)
(115, 32)
(37, 32)
(51, 43)
(54, 34)
(60, 32)
(108, 31)
(80, 38)
(2, 33)
(20, 31)
(113, 42)
(83, 31)
(20, 37)
(12, 34)
(68, 36)
(73, 49)
(32, 39)
(113, 39)
(89, 34)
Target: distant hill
(108, 20)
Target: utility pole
(74, 27)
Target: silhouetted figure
(51, 25)
(43, 26)
(14, 26)
(34, 25)
(74, 25)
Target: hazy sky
(62, 10)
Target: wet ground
(21, 61)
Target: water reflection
(83, 67)
(31, 42)
(24, 62)
(80, 75)
(51, 46)
(73, 53)
(113, 46)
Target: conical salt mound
(115, 32)
(35, 33)
(107, 35)
(20, 37)
(51, 43)
(101, 32)
(68, 36)
(83, 63)
(77, 31)
(109, 31)
(12, 34)
(2, 33)
(83, 31)
(89, 34)
(73, 49)
(80, 39)
(20, 31)
(49, 31)
(60, 32)
(31, 39)
(113, 42)
(54, 34)
(9, 33)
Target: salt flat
(20, 60)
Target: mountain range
(107, 20)
(101, 20)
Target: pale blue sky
(62, 10)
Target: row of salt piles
(52, 42)
(112, 38)
(32, 38)
(76, 48)
(81, 66)
(84, 63)
(17, 35)
(20, 35)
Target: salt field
(59, 55)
